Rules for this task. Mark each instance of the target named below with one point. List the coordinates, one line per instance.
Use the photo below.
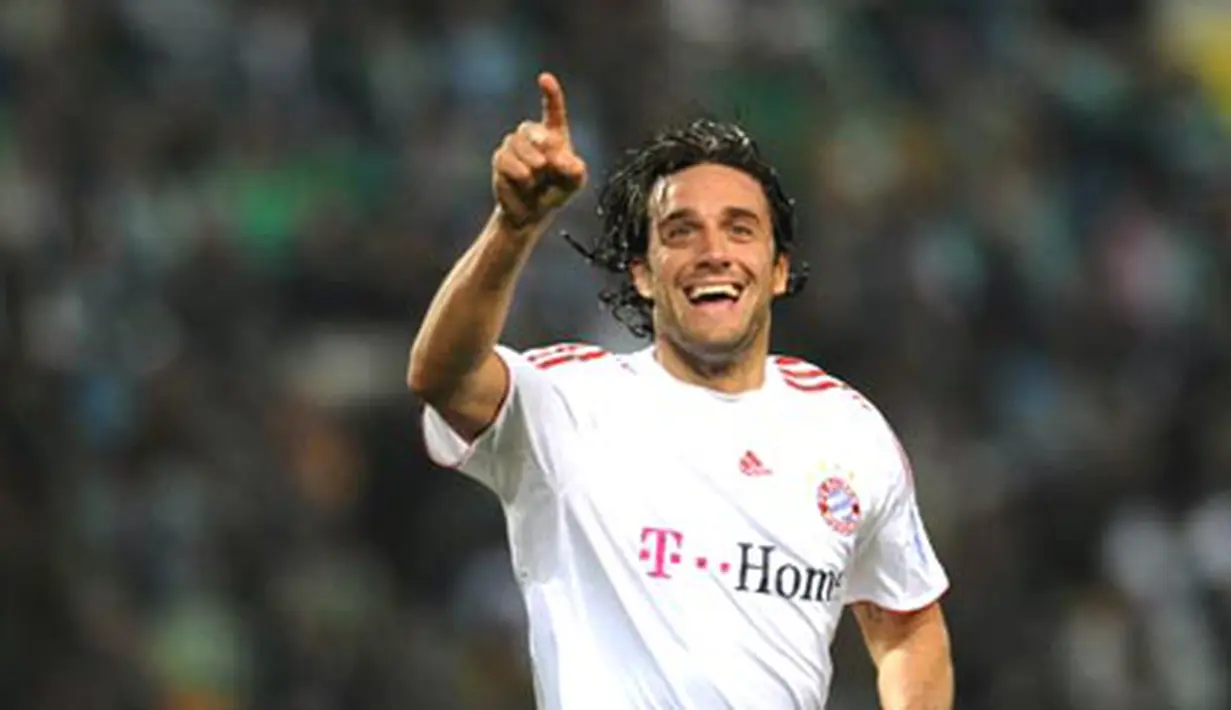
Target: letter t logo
(655, 541)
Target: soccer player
(687, 522)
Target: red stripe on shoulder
(797, 367)
(553, 351)
(803, 372)
(548, 358)
(813, 386)
(804, 376)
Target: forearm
(468, 313)
(918, 674)
(453, 365)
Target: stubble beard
(713, 357)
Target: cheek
(663, 275)
(645, 279)
(765, 267)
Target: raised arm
(453, 366)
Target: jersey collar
(643, 362)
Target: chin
(718, 345)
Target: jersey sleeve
(539, 415)
(895, 566)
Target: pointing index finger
(555, 116)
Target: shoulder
(867, 440)
(828, 398)
(816, 384)
(568, 356)
(572, 362)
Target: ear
(782, 273)
(642, 279)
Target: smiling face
(711, 268)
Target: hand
(535, 171)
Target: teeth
(714, 290)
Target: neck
(730, 375)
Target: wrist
(519, 226)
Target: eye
(743, 230)
(677, 231)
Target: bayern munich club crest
(839, 505)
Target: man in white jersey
(687, 522)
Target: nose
(714, 246)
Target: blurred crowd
(220, 221)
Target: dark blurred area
(220, 221)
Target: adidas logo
(750, 465)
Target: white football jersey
(684, 549)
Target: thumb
(572, 168)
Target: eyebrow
(734, 213)
(728, 214)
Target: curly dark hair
(623, 207)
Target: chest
(756, 496)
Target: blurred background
(221, 220)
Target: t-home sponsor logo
(750, 567)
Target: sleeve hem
(908, 606)
(448, 449)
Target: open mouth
(714, 294)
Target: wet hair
(624, 199)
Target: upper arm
(472, 407)
(526, 429)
